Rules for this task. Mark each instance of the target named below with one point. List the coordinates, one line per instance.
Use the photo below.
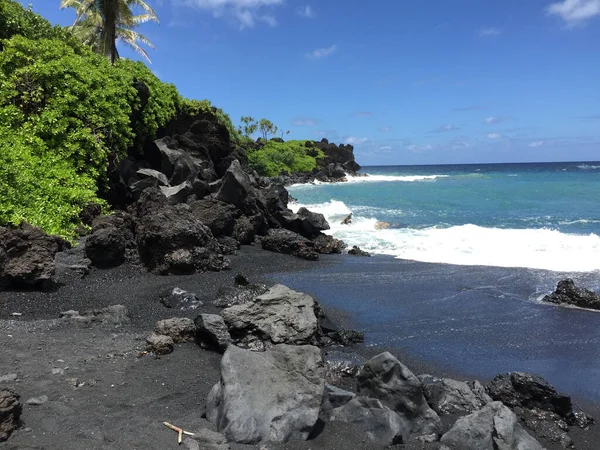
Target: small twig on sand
(180, 431)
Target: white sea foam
(400, 178)
(587, 167)
(466, 244)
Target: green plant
(248, 126)
(266, 128)
(275, 158)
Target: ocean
(457, 278)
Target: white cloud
(323, 52)
(575, 12)
(305, 11)
(493, 120)
(420, 148)
(385, 147)
(305, 122)
(246, 12)
(445, 128)
(489, 31)
(494, 135)
(353, 140)
(536, 144)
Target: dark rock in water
(180, 329)
(170, 239)
(494, 427)
(326, 244)
(381, 425)
(387, 379)
(447, 396)
(27, 256)
(315, 220)
(212, 332)
(347, 220)
(356, 251)
(177, 298)
(238, 295)
(546, 425)
(159, 344)
(342, 155)
(288, 242)
(567, 293)
(10, 412)
(248, 410)
(280, 316)
(220, 217)
(347, 337)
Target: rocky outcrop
(568, 294)
(27, 256)
(518, 389)
(159, 344)
(10, 412)
(220, 217)
(111, 237)
(288, 242)
(178, 298)
(280, 316)
(338, 156)
(180, 329)
(387, 379)
(447, 396)
(326, 244)
(494, 427)
(212, 332)
(114, 315)
(379, 423)
(356, 251)
(171, 240)
(247, 409)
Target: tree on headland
(248, 127)
(100, 23)
(266, 128)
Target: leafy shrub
(15, 20)
(277, 157)
(192, 108)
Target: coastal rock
(177, 298)
(447, 396)
(326, 244)
(334, 154)
(171, 239)
(356, 251)
(545, 424)
(347, 337)
(569, 294)
(111, 236)
(159, 344)
(335, 397)
(305, 222)
(236, 189)
(212, 332)
(228, 245)
(27, 256)
(177, 194)
(280, 316)
(115, 315)
(494, 427)
(387, 379)
(381, 425)
(238, 295)
(267, 396)
(518, 389)
(341, 366)
(10, 412)
(220, 217)
(180, 329)
(288, 242)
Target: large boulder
(381, 425)
(326, 244)
(171, 239)
(280, 316)
(568, 294)
(10, 412)
(180, 329)
(387, 379)
(267, 396)
(308, 225)
(111, 237)
(212, 332)
(494, 427)
(518, 389)
(447, 396)
(288, 242)
(236, 189)
(220, 217)
(27, 256)
(316, 221)
(342, 155)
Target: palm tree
(100, 23)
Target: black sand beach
(103, 395)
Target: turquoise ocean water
(542, 215)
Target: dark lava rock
(341, 366)
(219, 216)
(288, 242)
(347, 337)
(180, 329)
(177, 298)
(171, 239)
(518, 389)
(228, 296)
(317, 221)
(159, 344)
(114, 315)
(211, 332)
(326, 244)
(567, 293)
(356, 251)
(111, 236)
(27, 256)
(10, 412)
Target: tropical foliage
(100, 23)
(275, 158)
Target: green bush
(15, 20)
(275, 158)
(192, 108)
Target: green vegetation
(68, 116)
(100, 23)
(275, 158)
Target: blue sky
(404, 81)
